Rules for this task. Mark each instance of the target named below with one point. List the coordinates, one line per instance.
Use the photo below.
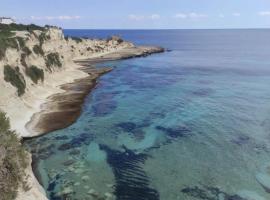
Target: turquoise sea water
(188, 124)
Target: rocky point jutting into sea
(45, 77)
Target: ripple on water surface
(188, 124)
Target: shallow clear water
(190, 124)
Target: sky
(140, 14)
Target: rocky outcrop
(35, 61)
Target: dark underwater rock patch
(126, 126)
(132, 183)
(241, 140)
(77, 141)
(209, 193)
(43, 152)
(134, 130)
(64, 137)
(104, 108)
(176, 132)
(74, 152)
(68, 163)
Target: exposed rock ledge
(61, 89)
(62, 109)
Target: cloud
(191, 15)
(49, 18)
(155, 16)
(144, 17)
(236, 14)
(264, 13)
(181, 16)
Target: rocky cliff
(34, 60)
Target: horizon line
(160, 29)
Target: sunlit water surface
(189, 124)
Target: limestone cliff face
(36, 62)
(50, 51)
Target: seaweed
(132, 183)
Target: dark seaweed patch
(132, 182)
(176, 132)
(64, 137)
(126, 126)
(135, 130)
(51, 186)
(241, 140)
(43, 153)
(77, 141)
(104, 108)
(209, 193)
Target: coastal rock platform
(63, 109)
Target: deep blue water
(188, 124)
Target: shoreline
(72, 96)
(69, 102)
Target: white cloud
(155, 16)
(181, 16)
(191, 15)
(143, 17)
(264, 13)
(236, 14)
(62, 17)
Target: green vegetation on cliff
(76, 39)
(38, 50)
(15, 78)
(6, 43)
(13, 161)
(43, 37)
(35, 73)
(8, 39)
(20, 27)
(53, 59)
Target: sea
(192, 123)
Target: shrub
(53, 59)
(15, 78)
(43, 37)
(11, 42)
(26, 50)
(23, 59)
(89, 49)
(7, 43)
(38, 50)
(21, 42)
(76, 39)
(35, 74)
(115, 38)
(20, 27)
(13, 161)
